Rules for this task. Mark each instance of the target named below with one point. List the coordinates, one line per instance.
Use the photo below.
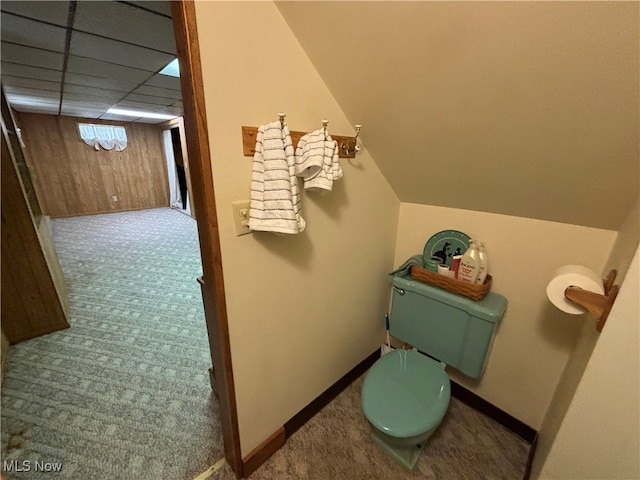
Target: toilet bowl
(406, 393)
(405, 396)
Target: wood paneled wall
(72, 178)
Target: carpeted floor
(124, 393)
(335, 444)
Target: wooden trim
(213, 292)
(503, 418)
(532, 454)
(249, 135)
(304, 415)
(262, 452)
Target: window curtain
(105, 136)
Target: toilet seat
(405, 394)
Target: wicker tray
(470, 290)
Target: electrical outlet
(114, 198)
(241, 217)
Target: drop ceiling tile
(42, 109)
(159, 92)
(98, 68)
(31, 100)
(145, 107)
(97, 82)
(85, 45)
(174, 111)
(134, 97)
(92, 92)
(32, 33)
(160, 7)
(119, 118)
(24, 71)
(86, 101)
(80, 104)
(32, 92)
(82, 112)
(30, 83)
(154, 121)
(164, 81)
(126, 23)
(53, 12)
(31, 56)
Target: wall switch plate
(241, 217)
(114, 198)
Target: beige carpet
(335, 444)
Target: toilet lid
(405, 394)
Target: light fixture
(172, 69)
(139, 114)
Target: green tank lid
(490, 308)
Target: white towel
(317, 161)
(275, 196)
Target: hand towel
(405, 268)
(317, 161)
(275, 196)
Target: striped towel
(317, 161)
(275, 197)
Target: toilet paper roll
(572, 276)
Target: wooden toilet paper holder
(598, 304)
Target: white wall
(534, 339)
(304, 309)
(620, 259)
(600, 435)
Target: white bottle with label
(484, 265)
(469, 265)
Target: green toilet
(405, 394)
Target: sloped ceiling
(525, 108)
(81, 58)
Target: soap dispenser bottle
(484, 265)
(469, 265)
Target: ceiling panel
(158, 7)
(99, 82)
(31, 56)
(31, 100)
(53, 12)
(31, 83)
(119, 118)
(112, 51)
(153, 121)
(142, 106)
(34, 107)
(102, 69)
(27, 71)
(85, 100)
(32, 33)
(115, 50)
(134, 97)
(159, 92)
(91, 92)
(164, 81)
(32, 91)
(128, 24)
(89, 113)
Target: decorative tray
(469, 290)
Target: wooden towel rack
(249, 142)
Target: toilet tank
(451, 328)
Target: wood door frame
(213, 292)
(179, 124)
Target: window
(105, 136)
